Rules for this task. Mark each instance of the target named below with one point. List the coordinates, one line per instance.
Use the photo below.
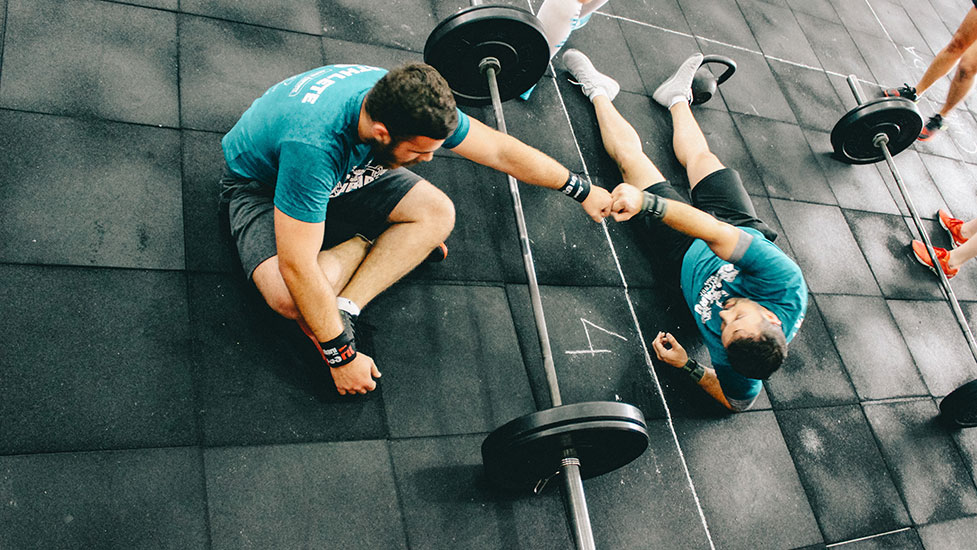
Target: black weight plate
(959, 407)
(512, 35)
(604, 435)
(853, 136)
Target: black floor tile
(725, 141)
(967, 443)
(648, 503)
(818, 8)
(843, 472)
(862, 327)
(956, 184)
(945, 366)
(958, 533)
(208, 243)
(225, 66)
(719, 21)
(923, 461)
(810, 94)
(401, 23)
(93, 59)
(833, 46)
(766, 213)
(757, 475)
(813, 374)
(95, 359)
(634, 252)
(858, 17)
(963, 132)
(778, 32)
(432, 343)
(883, 58)
(660, 13)
(753, 90)
(260, 379)
(448, 503)
(326, 495)
(844, 270)
(856, 186)
(597, 352)
(89, 193)
(343, 52)
(150, 498)
(602, 40)
(928, 23)
(899, 26)
(884, 239)
(785, 160)
(483, 208)
(170, 5)
(293, 15)
(657, 53)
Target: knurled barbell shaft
(880, 142)
(573, 493)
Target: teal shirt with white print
(764, 274)
(301, 138)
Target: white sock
(556, 17)
(347, 305)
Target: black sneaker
(439, 254)
(905, 91)
(933, 126)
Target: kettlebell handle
(722, 60)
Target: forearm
(721, 237)
(710, 383)
(530, 165)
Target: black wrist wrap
(341, 349)
(653, 205)
(576, 187)
(695, 370)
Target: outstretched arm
(721, 237)
(670, 351)
(503, 152)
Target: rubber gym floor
(150, 399)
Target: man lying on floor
(335, 143)
(748, 298)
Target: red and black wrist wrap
(341, 349)
(576, 187)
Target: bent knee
(438, 210)
(268, 280)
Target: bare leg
(969, 229)
(622, 143)
(962, 40)
(337, 264)
(962, 254)
(963, 80)
(423, 219)
(690, 145)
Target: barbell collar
(489, 63)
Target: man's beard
(383, 155)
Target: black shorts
(721, 194)
(250, 212)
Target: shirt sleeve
(306, 176)
(460, 133)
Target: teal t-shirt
(763, 274)
(301, 138)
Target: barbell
(877, 130)
(489, 54)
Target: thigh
(722, 195)
(371, 209)
(251, 218)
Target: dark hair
(758, 356)
(413, 100)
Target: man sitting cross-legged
(748, 298)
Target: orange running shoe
(952, 226)
(923, 257)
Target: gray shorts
(250, 211)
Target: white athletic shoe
(592, 81)
(679, 86)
